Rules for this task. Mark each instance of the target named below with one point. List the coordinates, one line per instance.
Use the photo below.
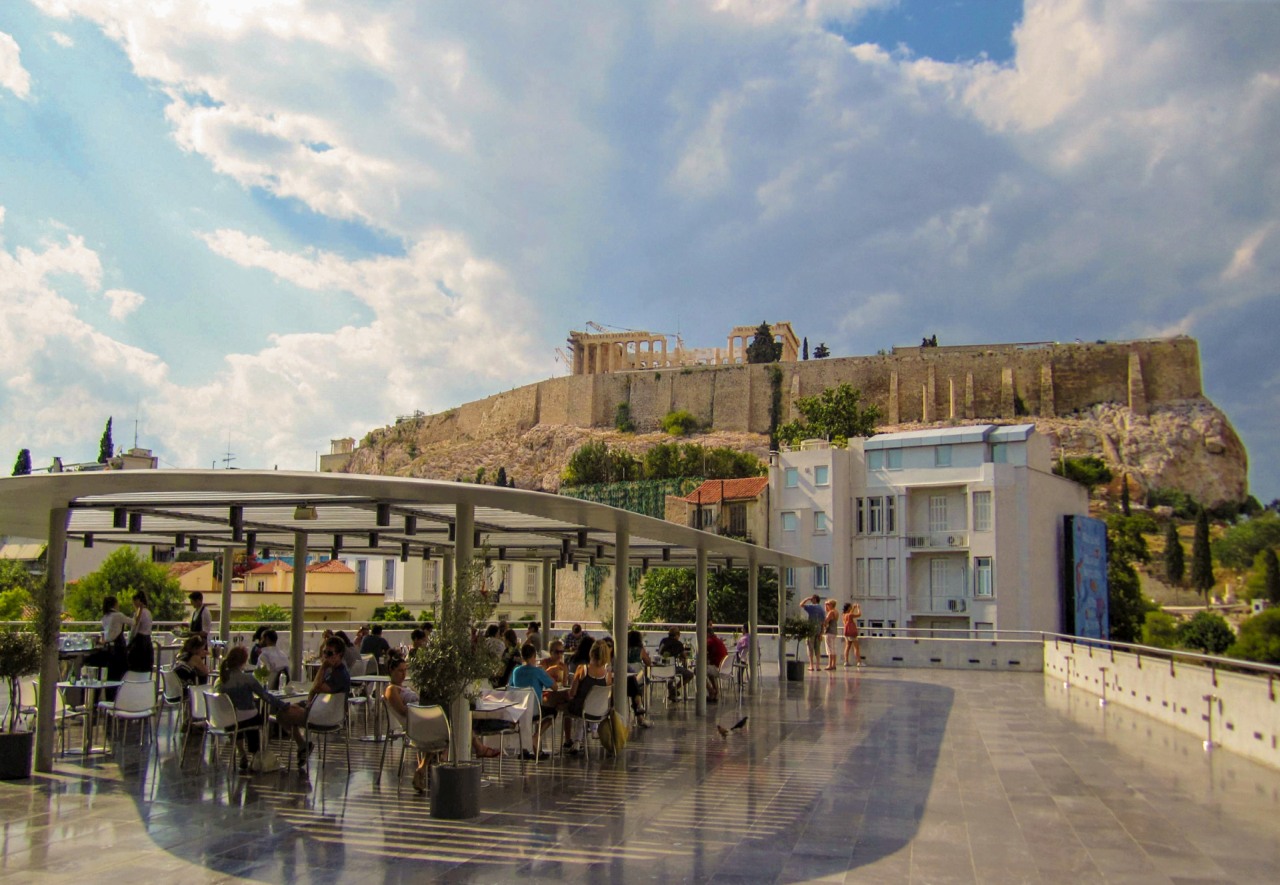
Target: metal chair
(134, 702)
(485, 724)
(224, 722)
(659, 674)
(172, 694)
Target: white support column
(621, 596)
(298, 612)
(700, 679)
(782, 619)
(464, 550)
(753, 622)
(49, 622)
(224, 601)
(546, 602)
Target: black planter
(455, 791)
(795, 671)
(15, 754)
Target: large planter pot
(795, 671)
(15, 754)
(455, 791)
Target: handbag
(614, 733)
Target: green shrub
(1089, 471)
(622, 419)
(1259, 638)
(392, 612)
(1184, 506)
(1160, 630)
(679, 423)
(1207, 632)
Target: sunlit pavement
(874, 776)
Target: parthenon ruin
(634, 350)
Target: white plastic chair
(135, 702)
(397, 730)
(172, 693)
(224, 722)
(594, 711)
(328, 715)
(197, 718)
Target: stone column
(951, 399)
(894, 412)
(49, 623)
(700, 678)
(968, 395)
(621, 596)
(224, 616)
(753, 622)
(297, 614)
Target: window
(819, 523)
(890, 519)
(789, 578)
(875, 459)
(820, 574)
(942, 456)
(388, 575)
(937, 513)
(875, 576)
(262, 585)
(893, 459)
(705, 517)
(791, 477)
(362, 576)
(859, 506)
(1000, 453)
(860, 576)
(938, 575)
(982, 576)
(891, 576)
(532, 582)
(822, 475)
(738, 519)
(982, 511)
(789, 521)
(875, 516)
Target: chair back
(327, 710)
(370, 664)
(278, 678)
(596, 706)
(428, 729)
(172, 686)
(199, 709)
(726, 666)
(662, 671)
(357, 669)
(397, 721)
(136, 697)
(222, 712)
(136, 676)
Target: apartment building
(947, 528)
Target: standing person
(113, 653)
(201, 619)
(830, 631)
(742, 648)
(140, 657)
(816, 613)
(375, 644)
(849, 617)
(716, 653)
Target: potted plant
(19, 656)
(801, 630)
(445, 672)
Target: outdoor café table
(91, 689)
(517, 707)
(376, 701)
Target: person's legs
(857, 652)
(294, 717)
(848, 647)
(831, 651)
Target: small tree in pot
(801, 630)
(19, 656)
(444, 672)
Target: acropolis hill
(1137, 404)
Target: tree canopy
(1259, 638)
(1240, 544)
(835, 414)
(1206, 632)
(763, 349)
(18, 589)
(1089, 471)
(106, 448)
(122, 574)
(1175, 566)
(595, 462)
(1202, 578)
(1127, 608)
(22, 466)
(670, 595)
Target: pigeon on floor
(741, 723)
(724, 732)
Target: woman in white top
(140, 656)
(113, 627)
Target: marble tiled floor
(878, 776)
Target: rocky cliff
(1187, 445)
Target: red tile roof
(178, 569)
(331, 567)
(713, 491)
(270, 568)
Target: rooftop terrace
(875, 776)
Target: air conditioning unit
(955, 605)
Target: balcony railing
(940, 605)
(954, 540)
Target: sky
(253, 226)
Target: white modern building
(949, 528)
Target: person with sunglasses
(333, 677)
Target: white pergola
(228, 510)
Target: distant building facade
(952, 528)
(738, 508)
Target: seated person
(244, 692)
(594, 676)
(192, 662)
(530, 675)
(673, 647)
(375, 644)
(270, 656)
(333, 677)
(554, 663)
(573, 639)
(637, 663)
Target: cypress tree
(1175, 563)
(806, 347)
(1271, 575)
(22, 466)
(106, 448)
(1201, 557)
(1124, 495)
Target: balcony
(935, 541)
(925, 604)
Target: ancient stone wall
(911, 384)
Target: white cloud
(62, 39)
(13, 76)
(123, 302)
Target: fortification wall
(912, 384)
